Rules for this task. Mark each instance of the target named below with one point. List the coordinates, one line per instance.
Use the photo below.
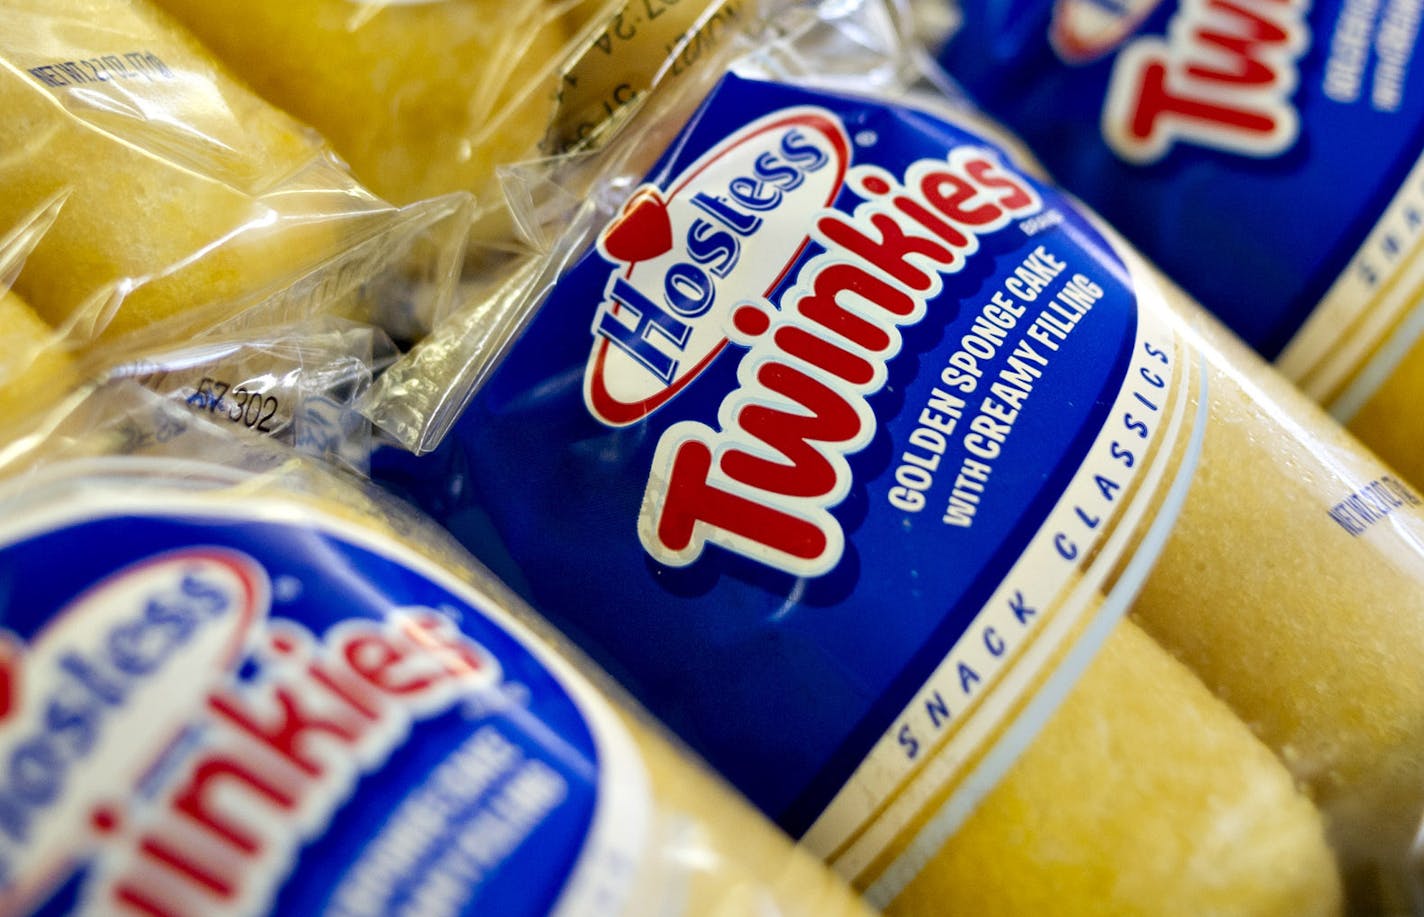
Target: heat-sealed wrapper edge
(300, 384)
(943, 525)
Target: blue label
(1248, 148)
(206, 712)
(768, 448)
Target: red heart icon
(642, 231)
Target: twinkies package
(176, 200)
(954, 535)
(1265, 155)
(236, 683)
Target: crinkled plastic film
(553, 203)
(704, 851)
(1250, 740)
(181, 199)
(300, 384)
(426, 98)
(407, 93)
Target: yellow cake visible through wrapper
(1292, 586)
(35, 368)
(696, 849)
(181, 194)
(407, 93)
(1143, 795)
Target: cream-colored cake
(35, 368)
(407, 93)
(1143, 795)
(180, 189)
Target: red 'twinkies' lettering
(281, 753)
(291, 728)
(826, 418)
(691, 500)
(389, 667)
(890, 254)
(951, 195)
(1155, 102)
(176, 859)
(1222, 78)
(195, 800)
(823, 306)
(824, 354)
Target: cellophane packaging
(302, 385)
(431, 97)
(410, 94)
(942, 524)
(173, 200)
(237, 682)
(1265, 155)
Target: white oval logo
(94, 701)
(729, 228)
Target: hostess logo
(91, 702)
(729, 227)
(762, 482)
(1084, 30)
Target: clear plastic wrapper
(410, 94)
(425, 98)
(912, 497)
(1267, 157)
(180, 199)
(239, 683)
(299, 384)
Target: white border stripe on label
(1323, 355)
(1042, 576)
(1046, 702)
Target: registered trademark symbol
(286, 588)
(866, 138)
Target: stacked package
(783, 384)
(1265, 155)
